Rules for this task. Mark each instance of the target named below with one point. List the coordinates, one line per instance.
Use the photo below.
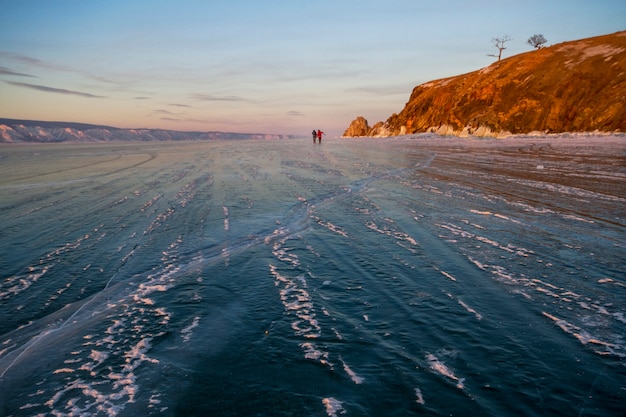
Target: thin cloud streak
(7, 71)
(34, 61)
(382, 90)
(38, 63)
(209, 97)
(53, 90)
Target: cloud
(213, 121)
(209, 97)
(294, 113)
(162, 112)
(7, 71)
(141, 98)
(381, 90)
(53, 90)
(178, 105)
(34, 61)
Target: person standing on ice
(314, 135)
(319, 136)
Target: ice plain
(417, 275)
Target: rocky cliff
(577, 86)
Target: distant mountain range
(12, 130)
(577, 86)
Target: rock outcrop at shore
(577, 86)
(358, 127)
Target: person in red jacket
(319, 135)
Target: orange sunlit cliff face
(570, 87)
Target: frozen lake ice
(407, 276)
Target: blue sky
(259, 66)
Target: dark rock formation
(358, 127)
(577, 86)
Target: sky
(259, 66)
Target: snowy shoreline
(500, 137)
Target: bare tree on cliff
(499, 43)
(537, 41)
